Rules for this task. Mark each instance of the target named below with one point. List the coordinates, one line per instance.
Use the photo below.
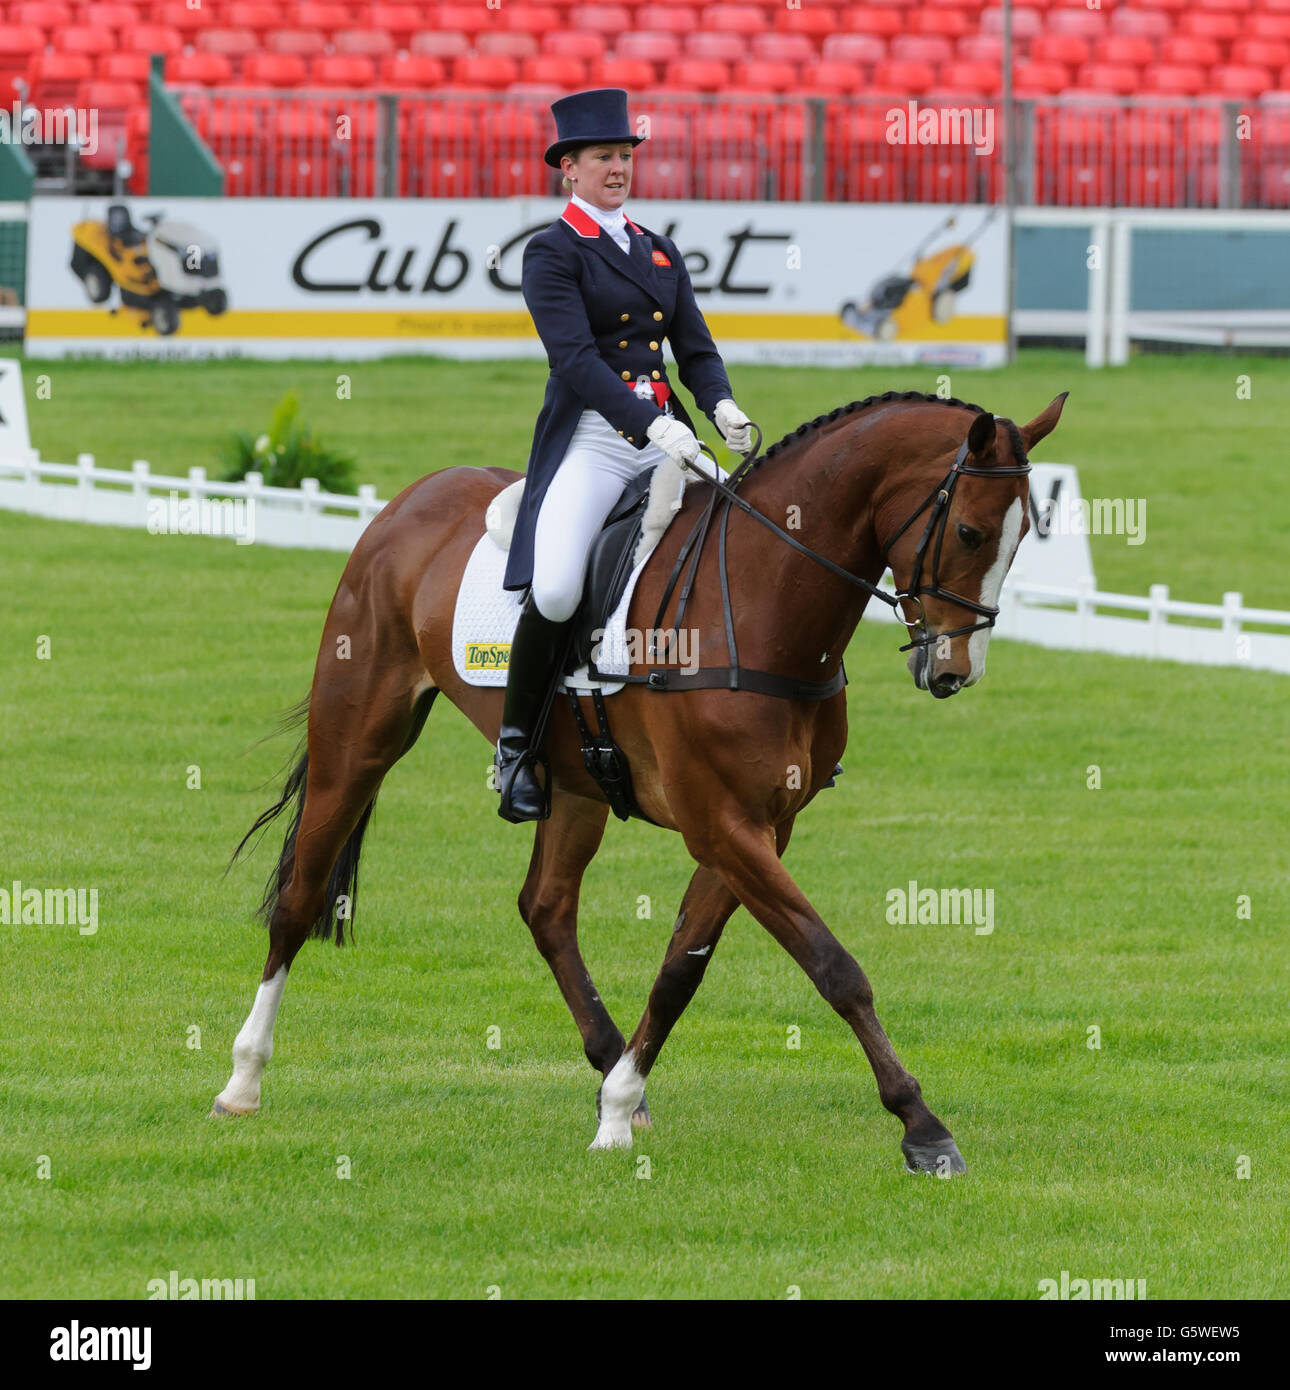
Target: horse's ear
(981, 435)
(1044, 423)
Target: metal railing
(1071, 152)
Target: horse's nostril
(943, 686)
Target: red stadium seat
(75, 39)
(464, 19)
(1221, 27)
(913, 78)
(412, 71)
(1126, 49)
(531, 18)
(948, 24)
(1269, 26)
(113, 101)
(733, 19)
(181, 18)
(306, 43)
(1230, 6)
(1173, 80)
(258, 17)
(1141, 24)
(1274, 183)
(728, 179)
(486, 71)
(439, 44)
(322, 15)
(652, 47)
(1261, 53)
(105, 14)
(831, 78)
(366, 43)
(205, 69)
(854, 48)
(975, 79)
(137, 124)
(717, 48)
(696, 75)
(863, 19)
(1088, 24)
(981, 48)
(1235, 81)
(610, 20)
(635, 74)
(1169, 6)
(758, 75)
(920, 48)
(506, 44)
(1108, 77)
(342, 70)
(131, 67)
(568, 43)
(150, 38)
(1189, 52)
(667, 177)
(55, 77)
(783, 48)
(816, 22)
(669, 19)
(1026, 23)
(1040, 79)
(273, 70)
(1070, 49)
(566, 73)
(401, 21)
(41, 14)
(234, 44)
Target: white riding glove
(676, 440)
(735, 427)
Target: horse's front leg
(704, 912)
(745, 856)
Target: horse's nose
(945, 685)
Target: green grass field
(769, 1168)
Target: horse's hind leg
(562, 848)
(356, 734)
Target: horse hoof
(610, 1136)
(220, 1110)
(941, 1159)
(641, 1117)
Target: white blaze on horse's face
(992, 584)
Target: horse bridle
(938, 499)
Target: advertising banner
(778, 282)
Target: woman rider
(603, 293)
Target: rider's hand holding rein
(735, 427)
(676, 440)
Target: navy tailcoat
(602, 316)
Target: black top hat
(590, 118)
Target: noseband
(933, 534)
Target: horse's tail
(343, 881)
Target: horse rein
(938, 499)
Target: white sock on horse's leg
(252, 1049)
(619, 1096)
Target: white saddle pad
(484, 621)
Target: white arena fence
(1071, 619)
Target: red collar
(586, 225)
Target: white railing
(304, 518)
(1070, 619)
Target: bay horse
(936, 488)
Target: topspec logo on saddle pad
(488, 656)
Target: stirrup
(525, 762)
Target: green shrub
(286, 453)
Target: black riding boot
(536, 649)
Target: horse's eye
(970, 536)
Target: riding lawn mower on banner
(903, 305)
(158, 272)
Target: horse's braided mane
(812, 426)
